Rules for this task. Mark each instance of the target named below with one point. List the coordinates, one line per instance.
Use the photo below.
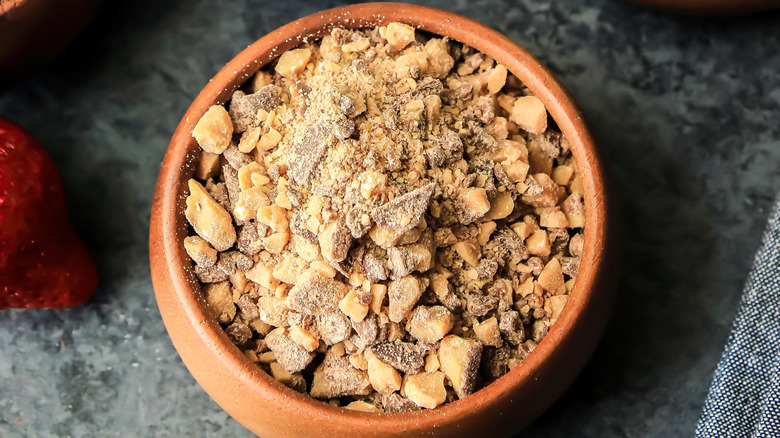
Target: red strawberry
(43, 263)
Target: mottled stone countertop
(686, 112)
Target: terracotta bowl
(270, 409)
(33, 32)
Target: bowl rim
(176, 289)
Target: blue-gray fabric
(744, 400)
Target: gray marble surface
(686, 112)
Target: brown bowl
(33, 32)
(269, 408)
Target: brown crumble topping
(385, 220)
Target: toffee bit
(230, 261)
(239, 333)
(403, 295)
(359, 220)
(395, 403)
(200, 251)
(460, 359)
(244, 107)
(230, 175)
(435, 156)
(507, 240)
(211, 274)
(343, 129)
(336, 377)
(366, 332)
(236, 158)
(429, 86)
(404, 212)
(451, 141)
(453, 96)
(248, 307)
(307, 152)
(335, 240)
(480, 305)
(347, 105)
(219, 192)
(375, 264)
(483, 140)
(315, 294)
(333, 327)
(249, 241)
(511, 327)
(570, 265)
(402, 356)
(417, 257)
(287, 352)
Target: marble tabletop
(686, 112)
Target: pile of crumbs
(384, 220)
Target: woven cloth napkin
(744, 400)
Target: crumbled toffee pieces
(314, 294)
(404, 212)
(402, 356)
(384, 220)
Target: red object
(43, 263)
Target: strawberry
(43, 263)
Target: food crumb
(384, 219)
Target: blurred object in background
(43, 263)
(711, 7)
(34, 32)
